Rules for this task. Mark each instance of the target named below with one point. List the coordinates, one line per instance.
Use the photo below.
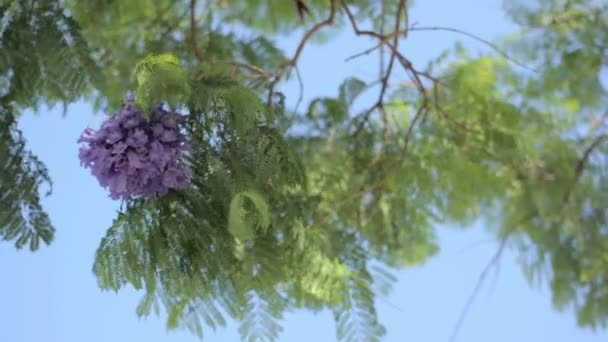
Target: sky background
(52, 295)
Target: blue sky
(52, 295)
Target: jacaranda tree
(229, 212)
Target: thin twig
(470, 35)
(596, 124)
(493, 262)
(391, 62)
(414, 75)
(301, 84)
(365, 52)
(474, 244)
(255, 69)
(193, 28)
(293, 61)
(580, 166)
(388, 72)
(469, 303)
(382, 29)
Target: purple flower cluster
(134, 156)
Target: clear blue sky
(52, 296)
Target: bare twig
(382, 29)
(302, 9)
(301, 84)
(388, 72)
(482, 277)
(474, 244)
(365, 52)
(293, 61)
(414, 74)
(255, 69)
(363, 119)
(597, 123)
(327, 22)
(475, 37)
(580, 166)
(193, 28)
(469, 303)
(391, 62)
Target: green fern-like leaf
(43, 55)
(260, 321)
(161, 77)
(244, 107)
(248, 210)
(356, 318)
(22, 217)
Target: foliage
(160, 78)
(22, 217)
(43, 54)
(317, 217)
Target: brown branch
(580, 166)
(301, 85)
(382, 29)
(388, 72)
(482, 277)
(327, 22)
(292, 62)
(193, 28)
(364, 118)
(255, 69)
(475, 37)
(382, 38)
(414, 74)
(391, 62)
(302, 9)
(597, 123)
(365, 52)
(355, 27)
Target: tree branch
(482, 277)
(193, 28)
(365, 52)
(391, 62)
(470, 35)
(580, 166)
(293, 61)
(414, 74)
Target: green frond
(261, 53)
(22, 218)
(356, 318)
(248, 212)
(313, 209)
(244, 108)
(350, 89)
(327, 279)
(44, 56)
(383, 279)
(260, 321)
(161, 78)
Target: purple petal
(131, 156)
